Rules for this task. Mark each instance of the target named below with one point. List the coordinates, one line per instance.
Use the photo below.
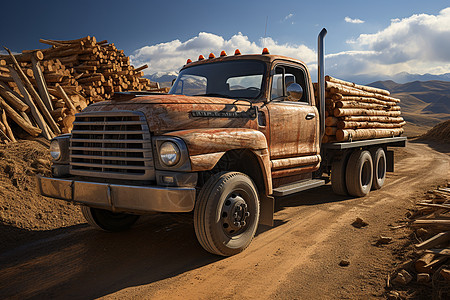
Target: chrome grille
(111, 145)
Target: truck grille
(111, 145)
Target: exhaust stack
(321, 80)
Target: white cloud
(288, 16)
(171, 56)
(353, 21)
(417, 44)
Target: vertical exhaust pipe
(321, 80)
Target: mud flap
(266, 210)
(389, 161)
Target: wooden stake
(41, 84)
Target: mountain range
(423, 103)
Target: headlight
(169, 153)
(55, 150)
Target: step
(296, 187)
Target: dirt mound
(440, 132)
(22, 210)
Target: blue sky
(384, 37)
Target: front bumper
(120, 198)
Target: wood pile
(431, 225)
(41, 90)
(357, 112)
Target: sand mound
(22, 210)
(440, 132)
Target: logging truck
(233, 133)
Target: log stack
(41, 90)
(357, 112)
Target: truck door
(293, 124)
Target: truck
(233, 133)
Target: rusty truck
(229, 137)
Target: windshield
(231, 79)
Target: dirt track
(297, 259)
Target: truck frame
(233, 133)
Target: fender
(207, 146)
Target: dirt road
(297, 259)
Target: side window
(291, 75)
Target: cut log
(331, 121)
(41, 84)
(330, 130)
(445, 252)
(34, 95)
(66, 99)
(357, 86)
(13, 100)
(359, 125)
(341, 112)
(13, 115)
(141, 68)
(8, 131)
(356, 104)
(24, 57)
(348, 91)
(373, 119)
(431, 222)
(362, 134)
(340, 97)
(436, 240)
(34, 111)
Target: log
(13, 115)
(13, 100)
(357, 86)
(330, 130)
(34, 111)
(436, 240)
(34, 95)
(348, 91)
(445, 252)
(3, 133)
(373, 119)
(331, 121)
(340, 97)
(8, 131)
(41, 84)
(141, 68)
(432, 222)
(66, 99)
(24, 57)
(68, 123)
(362, 134)
(341, 112)
(356, 104)
(367, 124)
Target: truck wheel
(359, 173)
(226, 213)
(379, 168)
(338, 168)
(107, 220)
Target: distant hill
(399, 78)
(424, 103)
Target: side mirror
(294, 92)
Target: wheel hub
(234, 214)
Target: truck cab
(233, 132)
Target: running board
(295, 187)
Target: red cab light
(201, 57)
(211, 55)
(265, 51)
(188, 61)
(223, 53)
(237, 52)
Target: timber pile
(358, 112)
(431, 224)
(41, 90)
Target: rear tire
(107, 220)
(359, 173)
(226, 213)
(338, 168)
(379, 168)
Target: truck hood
(167, 113)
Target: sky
(364, 37)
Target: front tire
(226, 213)
(107, 220)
